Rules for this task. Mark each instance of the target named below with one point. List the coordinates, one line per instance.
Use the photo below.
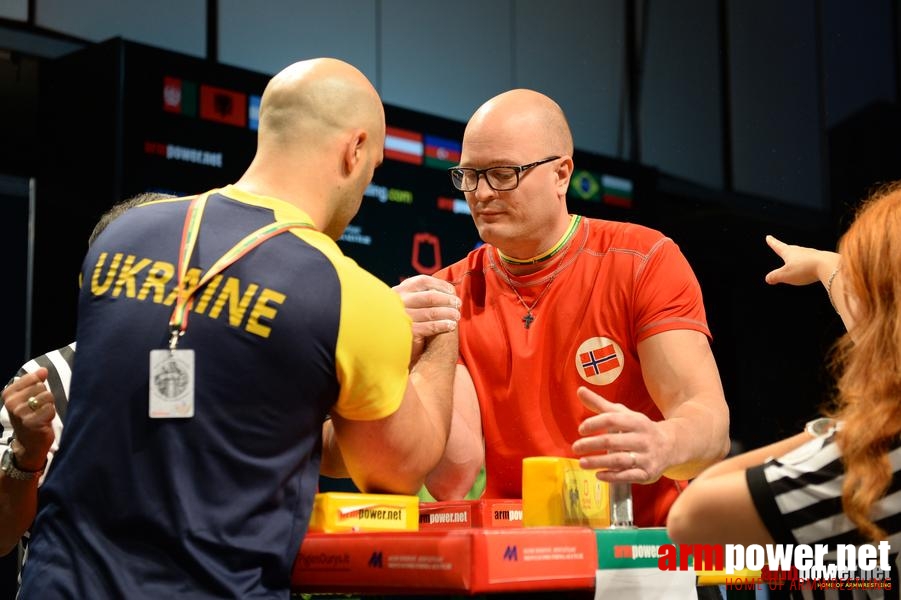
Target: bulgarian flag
(617, 191)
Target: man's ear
(564, 174)
(353, 150)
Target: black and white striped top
(798, 497)
(59, 374)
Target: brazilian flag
(584, 186)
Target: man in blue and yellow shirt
(215, 334)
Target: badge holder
(172, 381)
(172, 371)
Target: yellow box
(347, 511)
(557, 491)
(720, 577)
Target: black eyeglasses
(500, 179)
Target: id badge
(171, 384)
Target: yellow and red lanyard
(178, 322)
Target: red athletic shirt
(617, 284)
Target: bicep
(678, 366)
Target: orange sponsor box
(458, 560)
(460, 514)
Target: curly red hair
(868, 358)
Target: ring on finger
(33, 403)
(634, 459)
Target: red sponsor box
(460, 514)
(459, 560)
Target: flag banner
(403, 145)
(441, 153)
(223, 106)
(617, 191)
(179, 96)
(584, 185)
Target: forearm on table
(433, 378)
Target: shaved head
(316, 97)
(321, 137)
(520, 127)
(523, 114)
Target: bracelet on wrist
(829, 286)
(15, 462)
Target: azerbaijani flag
(441, 153)
(403, 145)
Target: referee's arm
(26, 440)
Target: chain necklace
(528, 318)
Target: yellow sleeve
(375, 339)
